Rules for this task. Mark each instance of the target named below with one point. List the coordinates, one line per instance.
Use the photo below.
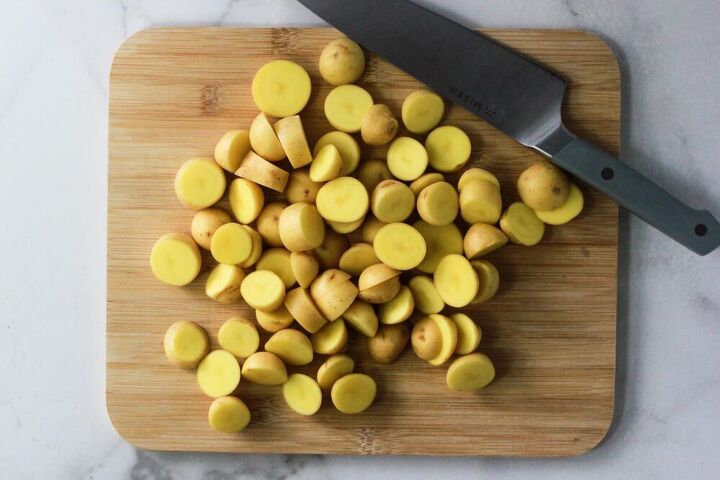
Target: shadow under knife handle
(698, 230)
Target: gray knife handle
(698, 230)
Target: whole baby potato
(342, 61)
(379, 126)
(388, 343)
(543, 187)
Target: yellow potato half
(370, 228)
(427, 299)
(231, 244)
(378, 283)
(333, 246)
(274, 321)
(425, 181)
(480, 202)
(246, 200)
(304, 267)
(448, 148)
(333, 369)
(175, 259)
(398, 309)
(543, 186)
(277, 260)
(302, 394)
(388, 343)
(475, 173)
(263, 290)
(231, 149)
(342, 200)
(256, 250)
(481, 239)
(239, 337)
(456, 280)
(268, 223)
(300, 188)
(399, 246)
(281, 88)
(438, 203)
(342, 61)
(264, 140)
(407, 159)
(345, 106)
(302, 308)
(292, 346)
(392, 201)
(346, 227)
(218, 374)
(422, 111)
(361, 316)
(186, 344)
(468, 334)
(204, 224)
(357, 258)
(353, 393)
(330, 339)
(439, 241)
(470, 373)
(448, 333)
(426, 339)
(572, 207)
(291, 134)
(378, 126)
(228, 415)
(264, 368)
(489, 280)
(199, 183)
(258, 170)
(522, 225)
(326, 165)
(333, 292)
(223, 283)
(346, 145)
(372, 172)
(301, 227)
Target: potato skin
(426, 339)
(543, 187)
(388, 343)
(204, 224)
(342, 61)
(379, 126)
(268, 223)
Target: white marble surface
(54, 63)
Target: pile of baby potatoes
(378, 246)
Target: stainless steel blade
(509, 91)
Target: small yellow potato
(426, 338)
(353, 393)
(489, 280)
(292, 137)
(346, 145)
(439, 241)
(264, 140)
(448, 148)
(274, 321)
(448, 334)
(378, 283)
(568, 211)
(218, 374)
(361, 316)
(345, 106)
(398, 309)
(382, 292)
(438, 204)
(300, 188)
(422, 111)
(346, 227)
(204, 224)
(263, 290)
(333, 292)
(543, 187)
(175, 259)
(246, 200)
(342, 61)
(329, 253)
(427, 299)
(223, 283)
(302, 394)
(231, 149)
(472, 174)
(264, 368)
(302, 308)
(281, 88)
(268, 223)
(481, 239)
(256, 250)
(342, 200)
(522, 225)
(372, 172)
(333, 369)
(256, 169)
(468, 334)
(470, 373)
(292, 346)
(228, 415)
(480, 202)
(456, 280)
(370, 229)
(392, 201)
(378, 126)
(399, 246)
(304, 267)
(301, 227)
(425, 181)
(231, 244)
(330, 339)
(357, 258)
(239, 337)
(388, 343)
(199, 183)
(186, 344)
(326, 165)
(277, 260)
(407, 159)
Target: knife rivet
(700, 230)
(607, 173)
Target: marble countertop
(54, 64)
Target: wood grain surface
(550, 330)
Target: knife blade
(518, 96)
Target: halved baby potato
(264, 368)
(292, 346)
(218, 374)
(186, 344)
(456, 280)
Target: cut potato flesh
(292, 346)
(281, 88)
(264, 368)
(422, 111)
(353, 393)
(342, 200)
(475, 173)
(489, 280)
(439, 241)
(392, 201)
(398, 309)
(274, 321)
(346, 145)
(303, 309)
(470, 373)
(258, 170)
(218, 374)
(175, 259)
(304, 267)
(231, 244)
(326, 165)
(468, 334)
(456, 280)
(239, 337)
(302, 394)
(425, 181)
(256, 250)
(186, 344)
(522, 225)
(344, 228)
(399, 246)
(231, 149)
(448, 333)
(291, 134)
(334, 369)
(370, 229)
(246, 200)
(330, 339)
(372, 172)
(407, 159)
(228, 415)
(361, 316)
(448, 148)
(427, 299)
(263, 290)
(381, 293)
(480, 202)
(277, 260)
(481, 239)
(264, 140)
(438, 204)
(357, 258)
(572, 207)
(301, 227)
(333, 293)
(375, 275)
(205, 223)
(223, 283)
(345, 106)
(200, 183)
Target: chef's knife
(514, 94)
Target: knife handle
(698, 230)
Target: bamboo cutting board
(550, 330)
